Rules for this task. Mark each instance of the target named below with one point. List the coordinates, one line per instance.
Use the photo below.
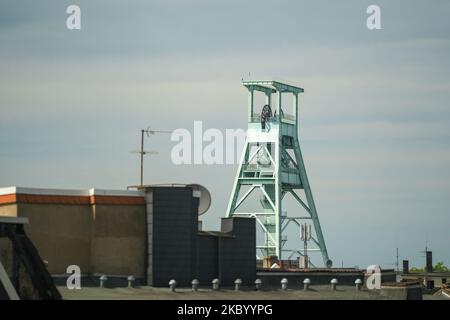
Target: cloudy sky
(375, 115)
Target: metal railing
(257, 118)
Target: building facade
(150, 233)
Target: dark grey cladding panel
(180, 253)
(174, 235)
(207, 259)
(239, 226)
(227, 224)
(237, 256)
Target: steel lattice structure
(272, 163)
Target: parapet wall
(101, 231)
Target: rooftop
(272, 86)
(12, 195)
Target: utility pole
(142, 152)
(397, 261)
(142, 157)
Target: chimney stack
(405, 266)
(429, 267)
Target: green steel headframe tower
(272, 165)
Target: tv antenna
(143, 152)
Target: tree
(440, 267)
(414, 269)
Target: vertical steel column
(269, 99)
(282, 173)
(250, 105)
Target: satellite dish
(205, 198)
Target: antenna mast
(142, 152)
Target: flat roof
(12, 195)
(426, 274)
(273, 85)
(215, 234)
(70, 192)
(299, 271)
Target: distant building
(151, 234)
(429, 278)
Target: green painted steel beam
(281, 87)
(266, 166)
(258, 87)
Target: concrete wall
(98, 238)
(118, 240)
(402, 291)
(105, 234)
(425, 279)
(8, 210)
(438, 280)
(61, 234)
